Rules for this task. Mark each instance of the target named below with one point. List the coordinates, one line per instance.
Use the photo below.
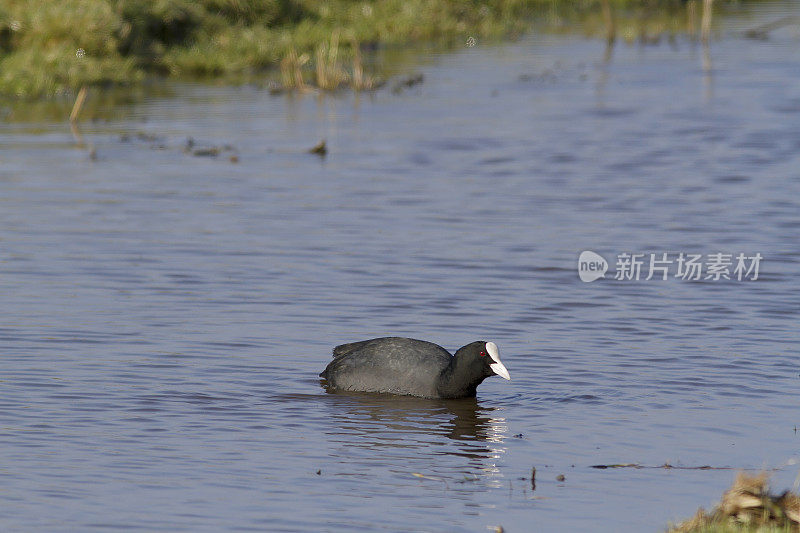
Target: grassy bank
(747, 507)
(49, 48)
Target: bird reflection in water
(407, 426)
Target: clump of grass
(291, 72)
(748, 506)
(328, 72)
(361, 81)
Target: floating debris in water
(620, 465)
(533, 479)
(748, 502)
(147, 137)
(408, 82)
(275, 88)
(561, 477)
(665, 466)
(319, 472)
(206, 152)
(762, 32)
(214, 151)
(188, 146)
(321, 149)
(431, 478)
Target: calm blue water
(165, 316)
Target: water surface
(166, 315)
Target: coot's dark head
(484, 358)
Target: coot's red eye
(483, 354)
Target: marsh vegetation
(55, 48)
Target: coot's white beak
(497, 367)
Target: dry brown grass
(747, 506)
(328, 73)
(291, 70)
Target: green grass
(50, 48)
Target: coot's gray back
(390, 364)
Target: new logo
(591, 266)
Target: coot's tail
(324, 374)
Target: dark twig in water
(320, 149)
(668, 467)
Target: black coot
(417, 368)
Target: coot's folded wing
(344, 349)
